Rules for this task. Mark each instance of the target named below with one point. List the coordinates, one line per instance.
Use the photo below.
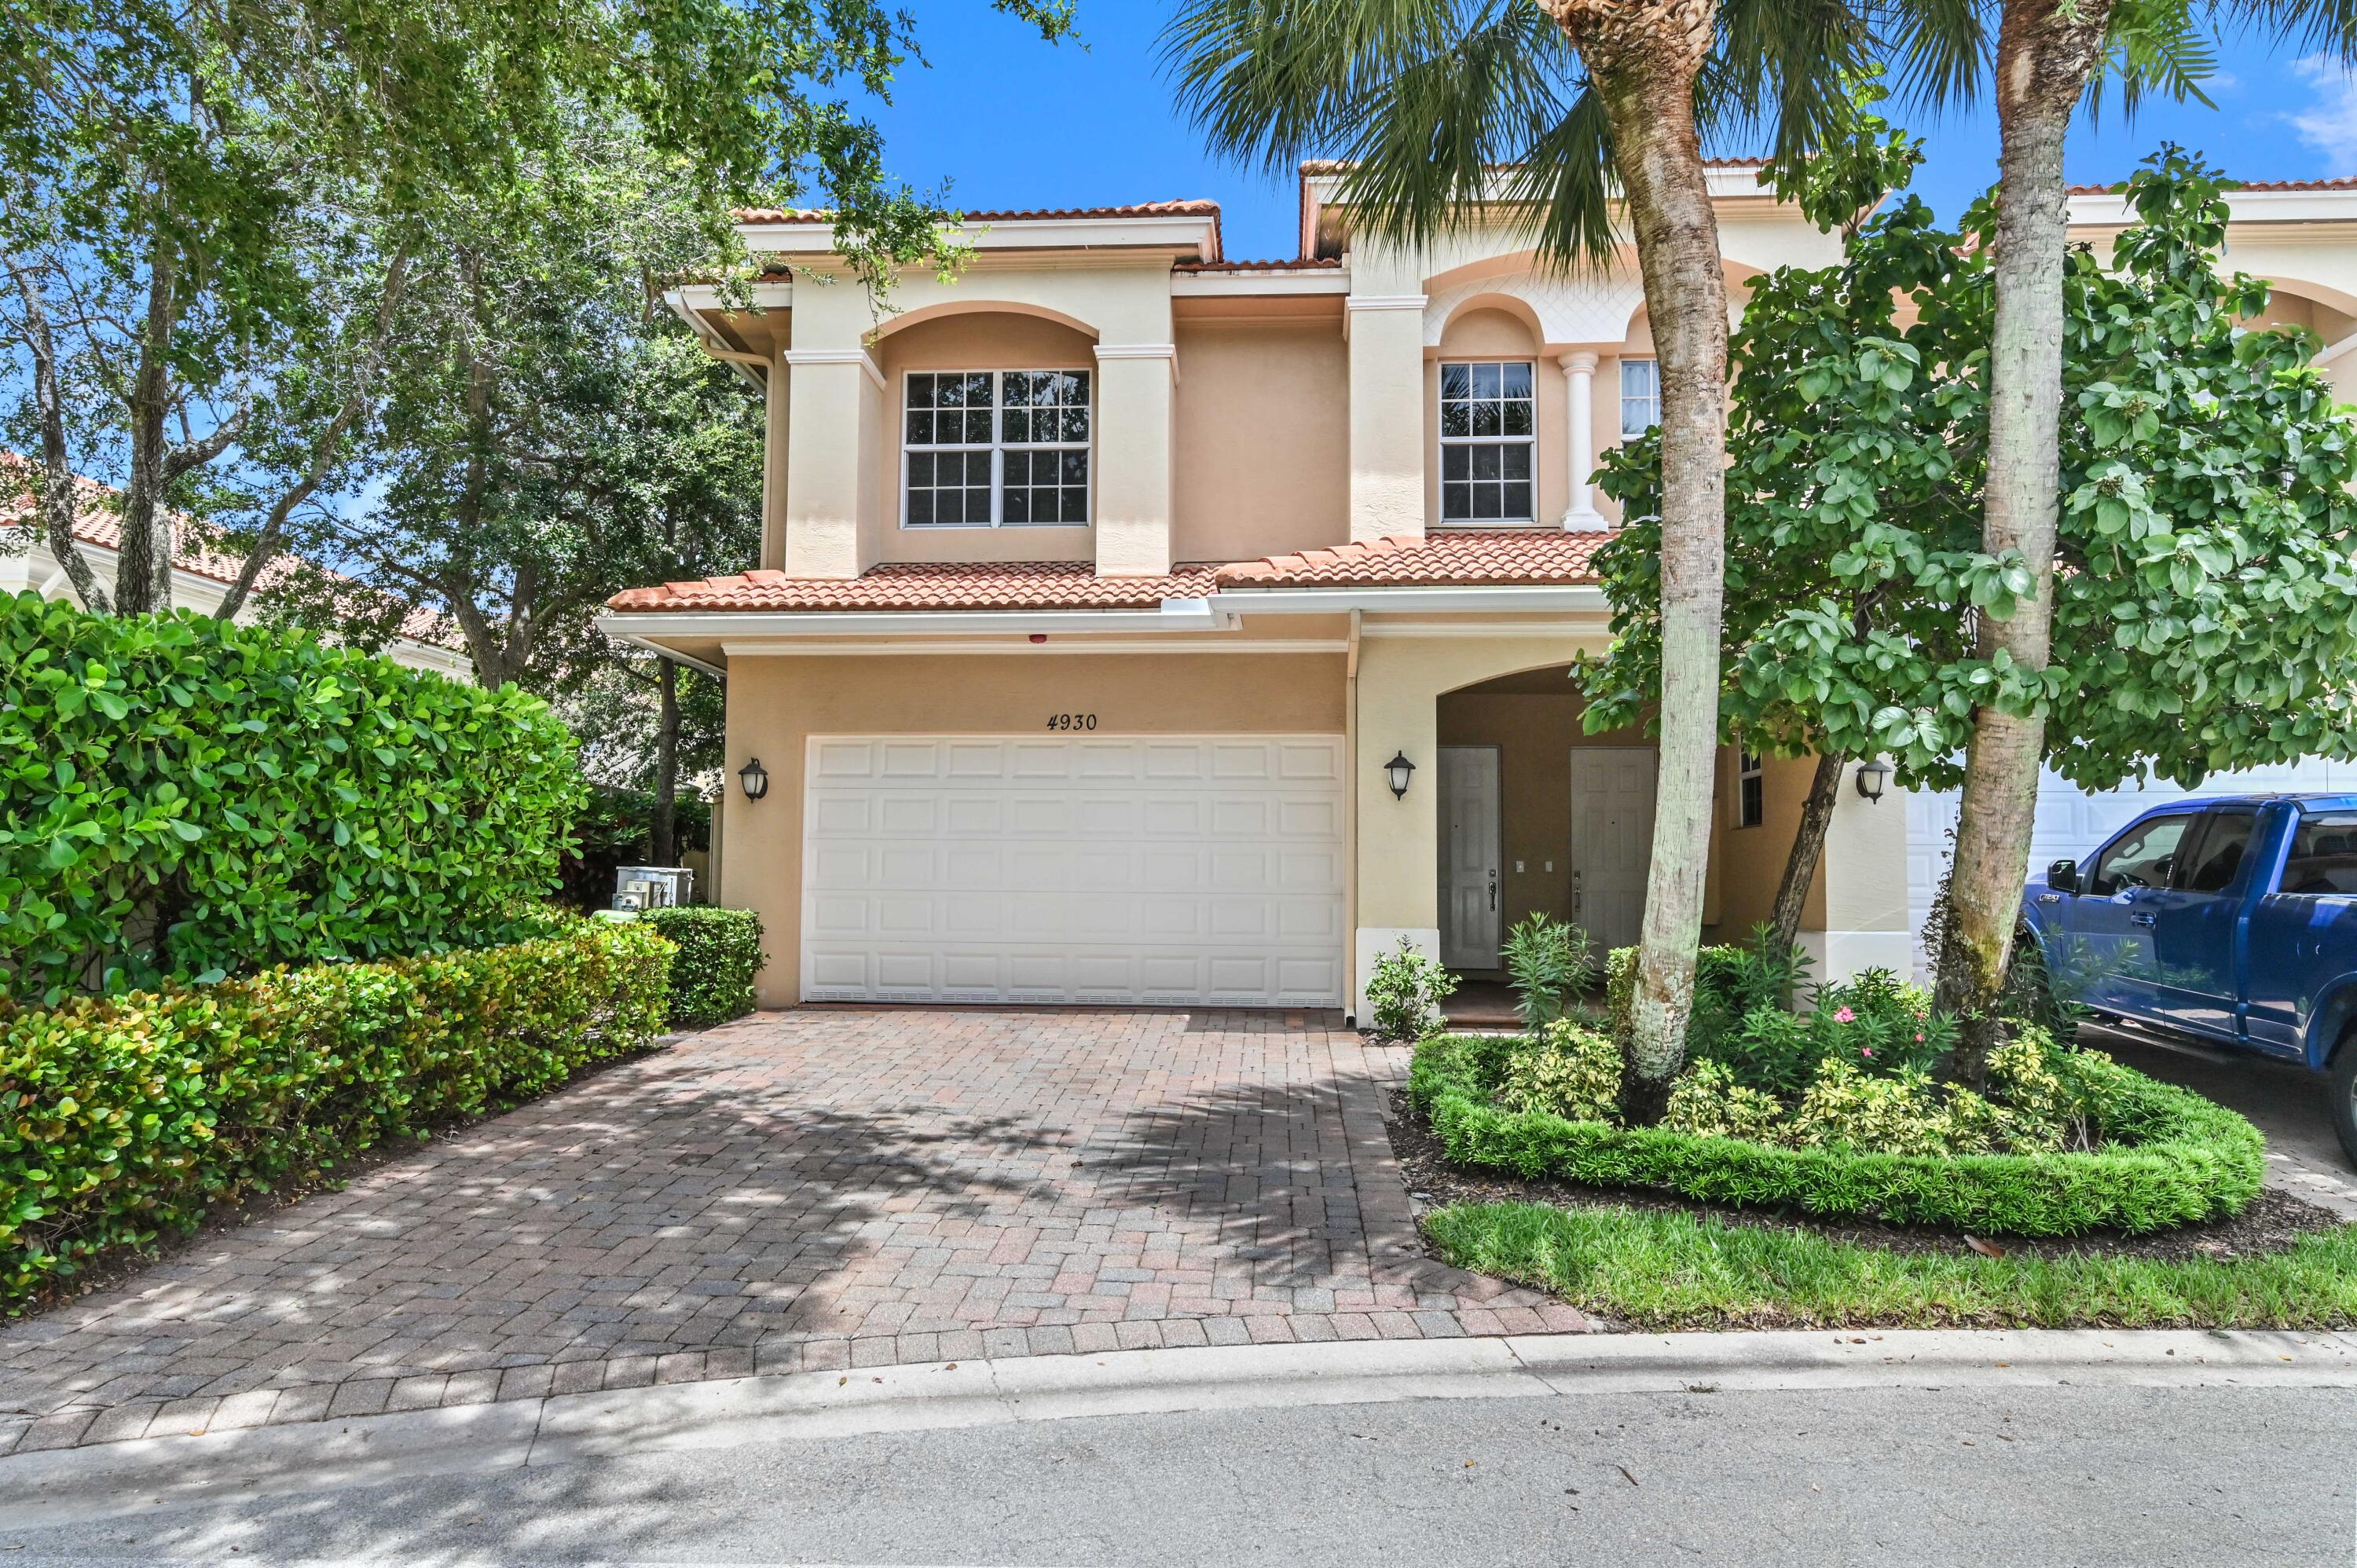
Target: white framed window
(993, 448)
(1750, 789)
(1486, 442)
(1641, 396)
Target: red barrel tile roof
(1496, 558)
(927, 585)
(1187, 209)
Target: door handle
(1578, 898)
(1493, 888)
(2139, 919)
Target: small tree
(2206, 607)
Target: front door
(1611, 841)
(1469, 856)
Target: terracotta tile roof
(1338, 166)
(927, 585)
(2344, 183)
(196, 549)
(1299, 264)
(1192, 208)
(1500, 557)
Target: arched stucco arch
(949, 308)
(1509, 304)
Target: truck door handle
(2139, 919)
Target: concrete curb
(69, 1486)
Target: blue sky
(1009, 122)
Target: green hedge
(124, 1117)
(719, 953)
(184, 797)
(2170, 1159)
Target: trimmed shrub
(124, 1117)
(719, 953)
(186, 798)
(2169, 1156)
(1571, 1072)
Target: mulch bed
(2273, 1221)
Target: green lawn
(1653, 1270)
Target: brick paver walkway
(817, 1189)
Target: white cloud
(2330, 125)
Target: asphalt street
(1968, 1474)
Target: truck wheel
(2344, 1080)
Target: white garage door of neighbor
(2070, 821)
(1149, 871)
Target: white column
(1579, 428)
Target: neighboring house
(1135, 625)
(201, 576)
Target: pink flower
(1844, 1016)
(1919, 1040)
(1866, 1050)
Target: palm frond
(1939, 49)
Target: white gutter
(1175, 615)
(1222, 612)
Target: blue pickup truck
(2232, 920)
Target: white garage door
(1149, 871)
(2070, 821)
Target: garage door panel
(1163, 871)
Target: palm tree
(2049, 57)
(1448, 113)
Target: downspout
(1350, 825)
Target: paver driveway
(822, 1187)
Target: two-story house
(1136, 624)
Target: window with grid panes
(1750, 789)
(994, 448)
(1641, 396)
(1486, 442)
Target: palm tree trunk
(2045, 49)
(1643, 56)
(1808, 849)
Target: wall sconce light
(1398, 770)
(1872, 775)
(755, 778)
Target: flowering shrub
(1875, 1024)
(124, 1117)
(1566, 1071)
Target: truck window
(2219, 854)
(2144, 858)
(2323, 859)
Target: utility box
(652, 886)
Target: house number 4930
(1071, 721)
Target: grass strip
(1656, 1271)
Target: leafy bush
(2167, 1156)
(1874, 1024)
(719, 953)
(124, 1117)
(1549, 962)
(1730, 984)
(1706, 1101)
(186, 797)
(1404, 994)
(1567, 1071)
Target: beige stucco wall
(1264, 440)
(777, 703)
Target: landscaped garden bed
(1817, 1166)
